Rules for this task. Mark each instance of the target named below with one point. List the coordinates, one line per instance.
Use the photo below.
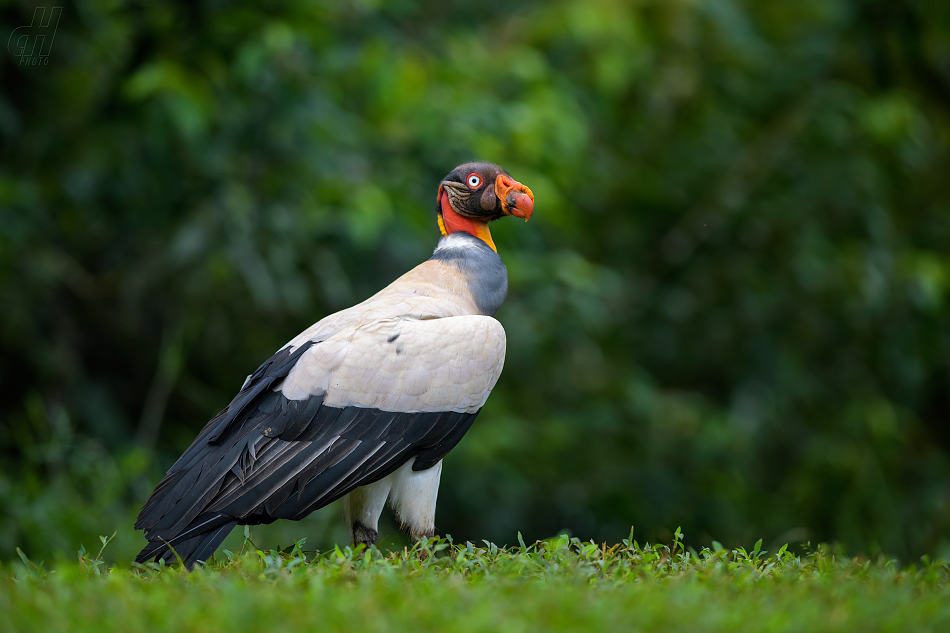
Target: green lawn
(557, 585)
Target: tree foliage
(730, 311)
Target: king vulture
(362, 405)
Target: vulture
(362, 405)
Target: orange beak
(516, 199)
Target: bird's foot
(423, 551)
(364, 535)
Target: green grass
(561, 584)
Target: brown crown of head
(484, 191)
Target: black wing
(265, 457)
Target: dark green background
(729, 313)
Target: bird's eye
(474, 180)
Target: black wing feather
(451, 432)
(274, 370)
(266, 457)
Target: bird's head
(474, 194)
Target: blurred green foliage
(729, 313)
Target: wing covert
(407, 365)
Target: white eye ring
(474, 180)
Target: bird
(364, 404)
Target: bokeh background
(729, 313)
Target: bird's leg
(413, 497)
(362, 508)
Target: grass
(560, 584)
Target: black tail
(195, 543)
(176, 518)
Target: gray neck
(481, 266)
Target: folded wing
(321, 418)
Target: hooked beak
(516, 199)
